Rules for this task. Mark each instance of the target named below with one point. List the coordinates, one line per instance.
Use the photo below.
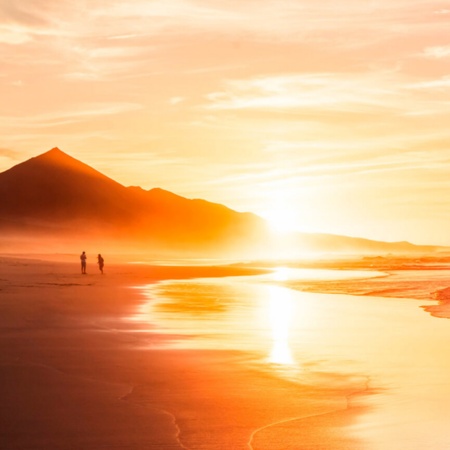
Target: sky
(325, 116)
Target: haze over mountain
(57, 202)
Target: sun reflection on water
(281, 309)
(281, 274)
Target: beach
(110, 361)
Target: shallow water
(402, 352)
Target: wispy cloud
(25, 12)
(441, 83)
(10, 154)
(437, 52)
(176, 100)
(64, 117)
(351, 92)
(14, 35)
(118, 41)
(442, 12)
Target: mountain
(55, 202)
(56, 198)
(56, 188)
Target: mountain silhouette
(56, 187)
(55, 196)
(56, 202)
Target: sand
(75, 374)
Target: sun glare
(281, 218)
(281, 310)
(281, 274)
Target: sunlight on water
(399, 354)
(280, 274)
(281, 308)
(242, 313)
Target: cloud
(292, 21)
(102, 40)
(437, 52)
(24, 12)
(99, 63)
(176, 100)
(10, 154)
(64, 117)
(349, 92)
(22, 21)
(14, 35)
(441, 83)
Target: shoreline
(77, 373)
(402, 284)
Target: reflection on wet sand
(281, 306)
(338, 342)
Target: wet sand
(394, 354)
(75, 373)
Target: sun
(281, 218)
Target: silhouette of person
(83, 258)
(101, 262)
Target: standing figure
(83, 258)
(101, 262)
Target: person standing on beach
(83, 258)
(101, 262)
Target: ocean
(397, 353)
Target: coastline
(76, 375)
(418, 283)
(79, 371)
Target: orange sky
(331, 116)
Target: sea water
(402, 352)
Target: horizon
(325, 118)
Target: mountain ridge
(63, 201)
(56, 193)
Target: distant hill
(56, 202)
